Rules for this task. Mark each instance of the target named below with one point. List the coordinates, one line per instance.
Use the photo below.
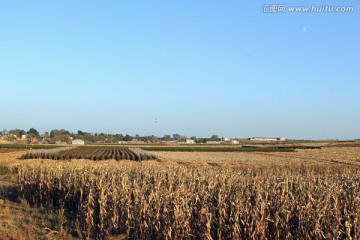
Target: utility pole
(156, 127)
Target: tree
(65, 132)
(179, 138)
(55, 134)
(118, 137)
(215, 138)
(17, 132)
(33, 132)
(167, 138)
(65, 138)
(11, 138)
(128, 138)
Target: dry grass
(19, 221)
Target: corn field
(91, 153)
(158, 201)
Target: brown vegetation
(151, 201)
(296, 195)
(92, 153)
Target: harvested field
(9, 150)
(92, 153)
(338, 156)
(27, 146)
(221, 149)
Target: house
(78, 142)
(230, 141)
(33, 140)
(190, 141)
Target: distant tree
(153, 139)
(55, 134)
(102, 137)
(118, 137)
(65, 138)
(89, 137)
(17, 132)
(176, 136)
(79, 132)
(78, 137)
(179, 138)
(33, 132)
(11, 138)
(215, 138)
(167, 138)
(182, 139)
(128, 138)
(65, 132)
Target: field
(92, 153)
(302, 194)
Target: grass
(19, 221)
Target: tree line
(63, 135)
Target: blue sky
(199, 67)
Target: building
(213, 142)
(33, 140)
(190, 141)
(266, 139)
(78, 142)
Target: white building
(213, 142)
(266, 139)
(78, 142)
(190, 141)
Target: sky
(199, 67)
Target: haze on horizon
(200, 68)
